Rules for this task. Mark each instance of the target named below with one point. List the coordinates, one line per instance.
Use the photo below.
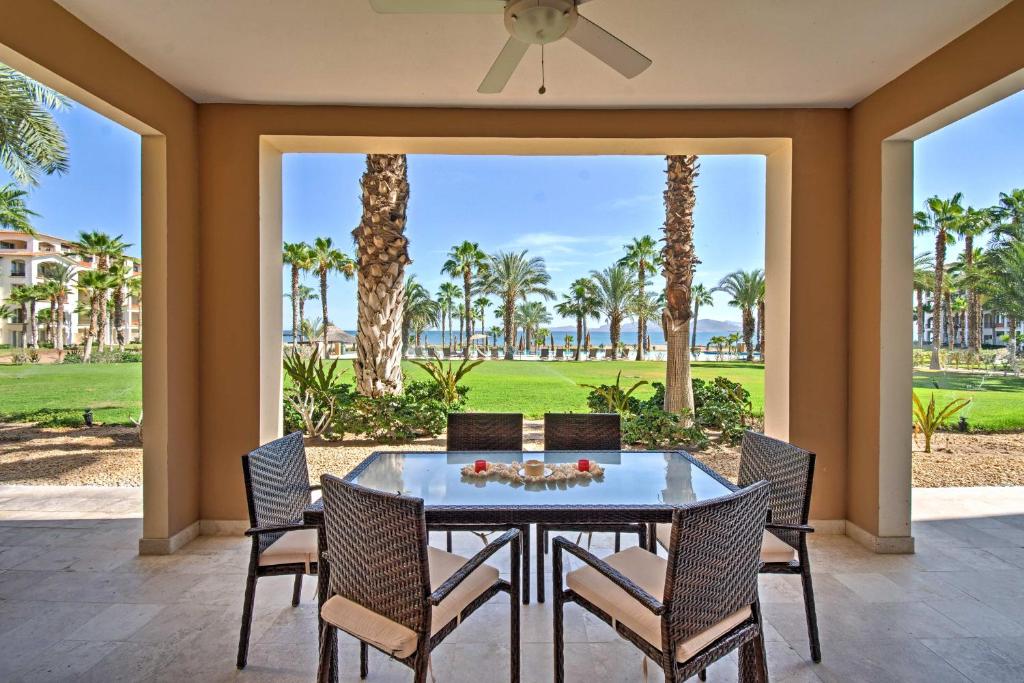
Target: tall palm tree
(135, 292)
(975, 223)
(418, 312)
(59, 281)
(642, 258)
(467, 261)
(615, 292)
(120, 272)
(940, 217)
(924, 274)
(325, 259)
(512, 276)
(14, 212)
(306, 293)
(679, 261)
(102, 250)
(447, 294)
(761, 344)
(480, 305)
(299, 257)
(383, 252)
(31, 141)
(580, 303)
(1009, 214)
(495, 332)
(94, 283)
(1005, 287)
(701, 296)
(644, 307)
(746, 289)
(530, 316)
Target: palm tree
(120, 273)
(447, 294)
(641, 257)
(580, 303)
(1009, 213)
(975, 223)
(941, 217)
(959, 308)
(530, 316)
(480, 305)
(495, 332)
(299, 256)
(59, 281)
(701, 296)
(14, 212)
(616, 290)
(1005, 287)
(419, 310)
(21, 296)
(94, 283)
(324, 259)
(101, 249)
(924, 274)
(761, 345)
(679, 262)
(513, 277)
(31, 142)
(383, 252)
(645, 307)
(306, 293)
(467, 261)
(746, 289)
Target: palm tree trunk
(950, 334)
(510, 330)
(442, 327)
(761, 346)
(59, 341)
(119, 316)
(920, 317)
(1013, 345)
(323, 307)
(468, 307)
(680, 261)
(748, 333)
(302, 318)
(33, 337)
(693, 332)
(383, 252)
(614, 331)
(296, 303)
(93, 319)
(940, 267)
(579, 337)
(24, 332)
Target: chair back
(377, 551)
(592, 354)
(582, 432)
(485, 432)
(495, 353)
(559, 354)
(276, 484)
(789, 471)
(713, 560)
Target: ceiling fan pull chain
(543, 89)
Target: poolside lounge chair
(432, 353)
(592, 355)
(609, 354)
(544, 354)
(559, 354)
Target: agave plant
(616, 398)
(314, 391)
(446, 376)
(928, 420)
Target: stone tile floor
(77, 602)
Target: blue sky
(576, 212)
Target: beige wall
(991, 52)
(41, 39)
(230, 139)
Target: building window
(17, 269)
(7, 245)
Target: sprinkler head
(87, 416)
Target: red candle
(583, 465)
(480, 465)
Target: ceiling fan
(530, 22)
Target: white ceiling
(817, 53)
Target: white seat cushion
(773, 549)
(395, 638)
(646, 570)
(295, 547)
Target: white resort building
(23, 262)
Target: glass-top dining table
(636, 487)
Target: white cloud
(634, 201)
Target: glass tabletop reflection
(630, 478)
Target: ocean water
(433, 337)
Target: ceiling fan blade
(503, 67)
(607, 48)
(438, 6)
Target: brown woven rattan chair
(277, 490)
(392, 591)
(488, 432)
(690, 610)
(789, 471)
(581, 432)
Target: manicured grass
(35, 392)
(61, 393)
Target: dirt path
(112, 456)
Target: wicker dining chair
(277, 490)
(789, 470)
(390, 590)
(581, 432)
(488, 432)
(690, 610)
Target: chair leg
(364, 660)
(542, 537)
(642, 533)
(243, 636)
(448, 542)
(812, 616)
(618, 541)
(702, 674)
(297, 590)
(323, 673)
(422, 668)
(517, 553)
(546, 541)
(524, 532)
(559, 614)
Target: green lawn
(115, 391)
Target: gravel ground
(112, 456)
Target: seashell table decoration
(515, 473)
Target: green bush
(722, 404)
(421, 410)
(653, 427)
(72, 357)
(47, 417)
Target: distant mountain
(703, 325)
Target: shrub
(653, 427)
(315, 391)
(612, 398)
(928, 420)
(47, 417)
(421, 410)
(72, 357)
(446, 378)
(722, 404)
